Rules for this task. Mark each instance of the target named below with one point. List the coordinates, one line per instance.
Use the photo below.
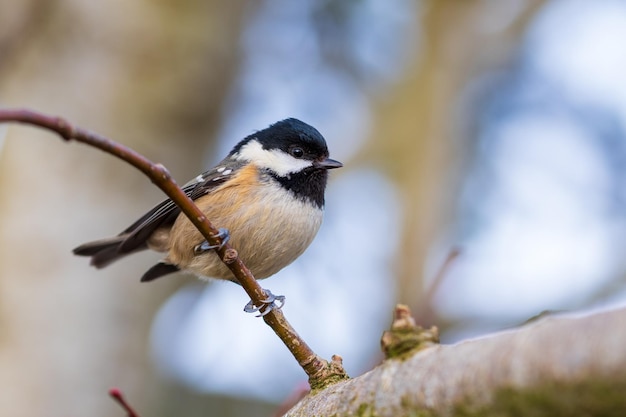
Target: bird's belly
(268, 234)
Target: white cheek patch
(275, 160)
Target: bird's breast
(268, 227)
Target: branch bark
(319, 371)
(558, 365)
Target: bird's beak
(327, 164)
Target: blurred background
(484, 149)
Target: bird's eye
(297, 152)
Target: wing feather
(165, 213)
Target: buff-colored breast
(269, 228)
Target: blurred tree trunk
(152, 75)
(416, 135)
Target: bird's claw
(270, 302)
(224, 236)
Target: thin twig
(441, 274)
(315, 367)
(118, 396)
(425, 312)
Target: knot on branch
(230, 256)
(327, 373)
(65, 129)
(405, 336)
(161, 172)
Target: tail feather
(159, 270)
(103, 252)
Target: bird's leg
(270, 303)
(224, 236)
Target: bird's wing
(165, 213)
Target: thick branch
(560, 365)
(315, 367)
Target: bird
(266, 197)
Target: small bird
(266, 196)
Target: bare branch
(319, 371)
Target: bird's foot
(270, 303)
(224, 236)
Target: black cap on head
(287, 133)
(292, 153)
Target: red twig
(118, 396)
(317, 369)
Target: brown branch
(319, 371)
